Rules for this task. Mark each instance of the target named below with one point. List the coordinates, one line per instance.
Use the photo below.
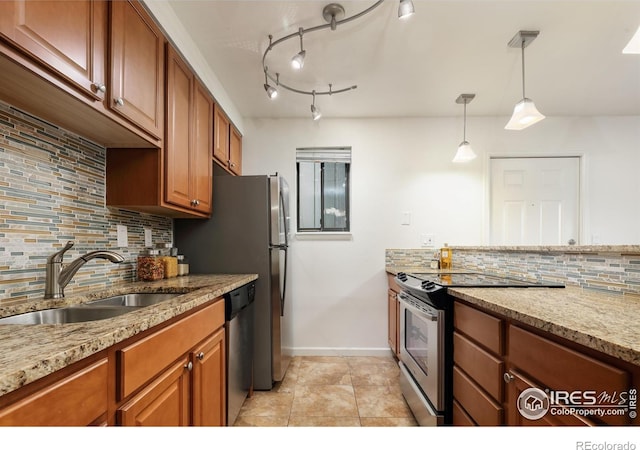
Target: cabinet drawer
(460, 416)
(480, 407)
(485, 369)
(140, 362)
(77, 400)
(481, 327)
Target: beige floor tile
(381, 401)
(261, 421)
(383, 374)
(323, 373)
(317, 401)
(306, 421)
(323, 359)
(388, 422)
(267, 403)
(358, 360)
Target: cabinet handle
(200, 356)
(508, 378)
(100, 87)
(119, 101)
(195, 202)
(189, 366)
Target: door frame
(583, 229)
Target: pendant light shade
(405, 9)
(525, 112)
(465, 153)
(271, 91)
(297, 62)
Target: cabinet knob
(195, 202)
(189, 366)
(508, 378)
(119, 101)
(100, 87)
(200, 356)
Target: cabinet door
(68, 36)
(221, 136)
(179, 141)
(209, 382)
(201, 155)
(77, 400)
(393, 328)
(137, 67)
(235, 151)
(165, 402)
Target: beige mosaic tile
(318, 401)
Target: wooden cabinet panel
(165, 402)
(487, 330)
(179, 134)
(221, 136)
(201, 170)
(209, 381)
(77, 400)
(460, 416)
(393, 322)
(235, 151)
(137, 67)
(140, 362)
(68, 36)
(480, 406)
(484, 368)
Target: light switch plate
(123, 238)
(148, 241)
(406, 218)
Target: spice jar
(150, 266)
(183, 266)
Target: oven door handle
(426, 314)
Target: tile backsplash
(52, 190)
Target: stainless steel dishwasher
(239, 312)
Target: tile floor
(331, 391)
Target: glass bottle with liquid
(445, 257)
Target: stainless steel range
(426, 338)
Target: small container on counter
(170, 262)
(183, 266)
(445, 257)
(150, 266)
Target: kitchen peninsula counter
(598, 320)
(31, 352)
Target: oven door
(422, 347)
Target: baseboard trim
(340, 351)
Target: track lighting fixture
(315, 112)
(334, 15)
(271, 91)
(465, 153)
(297, 62)
(525, 112)
(405, 9)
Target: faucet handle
(57, 256)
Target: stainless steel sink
(139, 299)
(71, 314)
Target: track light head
(315, 112)
(271, 91)
(297, 62)
(405, 9)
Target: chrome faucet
(58, 277)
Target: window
(323, 189)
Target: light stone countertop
(30, 352)
(598, 320)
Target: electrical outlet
(148, 241)
(427, 240)
(406, 218)
(123, 238)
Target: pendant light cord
(523, 96)
(464, 127)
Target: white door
(535, 201)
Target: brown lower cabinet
(496, 359)
(170, 375)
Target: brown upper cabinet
(227, 148)
(189, 137)
(69, 37)
(137, 67)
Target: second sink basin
(139, 299)
(71, 314)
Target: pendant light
(525, 112)
(465, 153)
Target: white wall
(338, 292)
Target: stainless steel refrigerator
(248, 232)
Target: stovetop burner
(477, 279)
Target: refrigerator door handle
(284, 280)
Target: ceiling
(418, 67)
